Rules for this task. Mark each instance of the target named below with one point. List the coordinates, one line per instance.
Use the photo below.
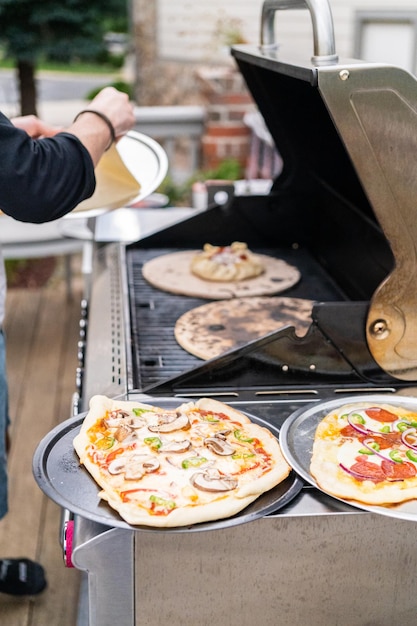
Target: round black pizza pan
(60, 476)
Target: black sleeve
(42, 179)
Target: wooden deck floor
(41, 333)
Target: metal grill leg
(107, 555)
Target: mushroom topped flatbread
(199, 462)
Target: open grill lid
(349, 127)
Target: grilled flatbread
(216, 327)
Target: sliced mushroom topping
(135, 466)
(140, 464)
(134, 471)
(117, 466)
(122, 432)
(115, 418)
(169, 422)
(211, 480)
(131, 438)
(175, 446)
(135, 421)
(219, 446)
(222, 433)
(151, 464)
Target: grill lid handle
(322, 20)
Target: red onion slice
(358, 427)
(404, 434)
(357, 474)
(367, 444)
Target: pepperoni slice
(380, 415)
(385, 440)
(398, 471)
(349, 431)
(369, 471)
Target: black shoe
(21, 577)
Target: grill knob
(67, 543)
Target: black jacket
(42, 179)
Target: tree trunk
(27, 87)
(144, 22)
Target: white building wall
(194, 30)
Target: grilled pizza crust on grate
(211, 329)
(199, 462)
(368, 453)
(172, 273)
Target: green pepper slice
(242, 455)
(194, 461)
(385, 429)
(372, 444)
(162, 503)
(105, 443)
(140, 411)
(240, 436)
(402, 426)
(153, 442)
(394, 455)
(359, 419)
(412, 455)
(211, 418)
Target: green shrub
(118, 84)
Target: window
(387, 37)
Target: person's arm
(45, 172)
(93, 131)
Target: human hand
(117, 107)
(35, 127)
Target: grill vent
(116, 324)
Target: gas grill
(342, 212)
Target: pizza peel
(171, 272)
(209, 330)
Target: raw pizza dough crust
(214, 328)
(167, 496)
(171, 272)
(330, 449)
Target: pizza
(226, 263)
(367, 452)
(198, 462)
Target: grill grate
(156, 355)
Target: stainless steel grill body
(345, 569)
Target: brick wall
(226, 136)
